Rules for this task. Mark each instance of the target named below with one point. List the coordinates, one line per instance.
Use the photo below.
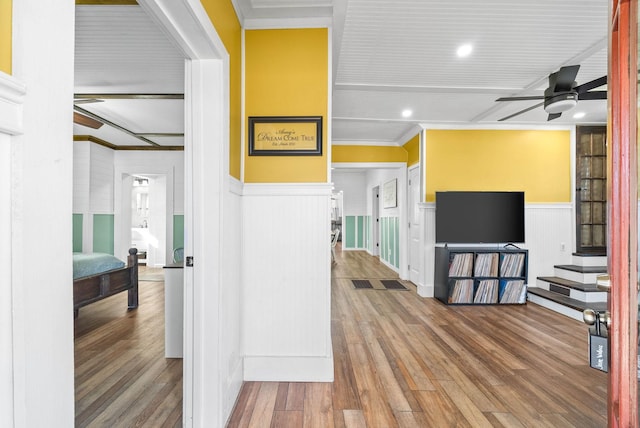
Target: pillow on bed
(87, 264)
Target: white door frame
(415, 269)
(206, 169)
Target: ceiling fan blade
(526, 98)
(553, 116)
(563, 79)
(520, 112)
(81, 119)
(601, 81)
(593, 95)
(87, 101)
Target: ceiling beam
(104, 143)
(160, 134)
(106, 3)
(129, 96)
(114, 125)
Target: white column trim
(206, 139)
(12, 92)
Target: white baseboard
(234, 384)
(425, 290)
(288, 369)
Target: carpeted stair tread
(567, 301)
(587, 288)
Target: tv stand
(480, 276)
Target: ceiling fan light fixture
(561, 103)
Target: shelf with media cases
(481, 276)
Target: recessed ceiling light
(579, 115)
(464, 50)
(407, 113)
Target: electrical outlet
(562, 247)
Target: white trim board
(12, 93)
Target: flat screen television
(479, 217)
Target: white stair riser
(589, 261)
(584, 278)
(576, 294)
(561, 309)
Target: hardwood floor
(405, 361)
(121, 376)
(400, 361)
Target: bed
(97, 276)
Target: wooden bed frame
(97, 287)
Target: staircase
(573, 288)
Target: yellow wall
(5, 35)
(538, 162)
(286, 74)
(368, 154)
(413, 150)
(225, 21)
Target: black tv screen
(479, 217)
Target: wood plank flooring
(121, 376)
(400, 361)
(405, 361)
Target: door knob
(597, 319)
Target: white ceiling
(387, 56)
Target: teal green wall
(349, 232)
(77, 233)
(356, 232)
(178, 231)
(390, 240)
(103, 232)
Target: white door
(414, 225)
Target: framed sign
(285, 135)
(389, 198)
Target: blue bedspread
(87, 264)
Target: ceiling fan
(83, 119)
(563, 93)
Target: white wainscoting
(549, 235)
(231, 367)
(286, 283)
(428, 234)
(101, 183)
(6, 295)
(549, 229)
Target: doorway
(149, 226)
